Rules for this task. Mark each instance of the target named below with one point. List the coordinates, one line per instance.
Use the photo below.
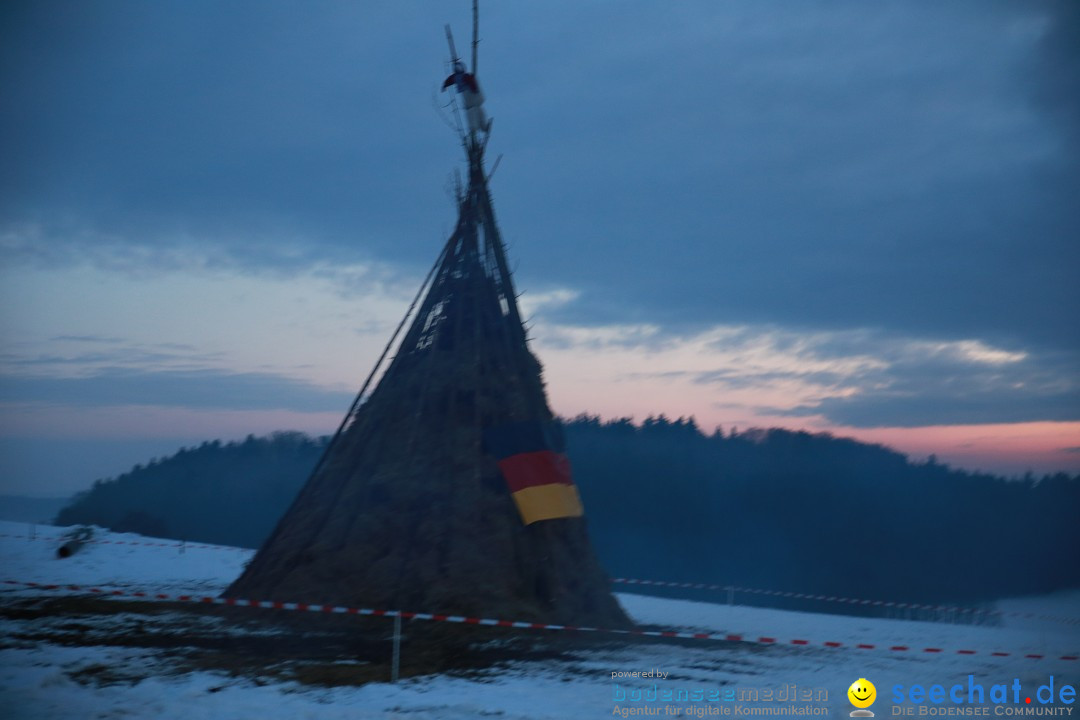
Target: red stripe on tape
(497, 622)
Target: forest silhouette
(663, 500)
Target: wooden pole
(450, 41)
(395, 663)
(475, 32)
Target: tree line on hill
(763, 508)
(220, 493)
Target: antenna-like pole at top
(450, 40)
(475, 32)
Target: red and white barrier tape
(849, 601)
(468, 620)
(678, 585)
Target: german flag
(532, 459)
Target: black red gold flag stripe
(532, 459)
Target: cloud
(51, 247)
(858, 378)
(906, 406)
(196, 389)
(547, 301)
(325, 325)
(833, 166)
(120, 353)
(89, 339)
(1056, 71)
(604, 337)
(849, 212)
(964, 382)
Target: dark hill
(229, 494)
(763, 508)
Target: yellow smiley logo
(862, 693)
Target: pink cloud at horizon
(1009, 449)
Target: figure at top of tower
(469, 90)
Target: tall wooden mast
(414, 505)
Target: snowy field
(71, 665)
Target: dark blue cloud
(110, 352)
(89, 339)
(918, 386)
(919, 407)
(899, 165)
(197, 389)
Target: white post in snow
(395, 663)
(730, 594)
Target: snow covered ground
(44, 673)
